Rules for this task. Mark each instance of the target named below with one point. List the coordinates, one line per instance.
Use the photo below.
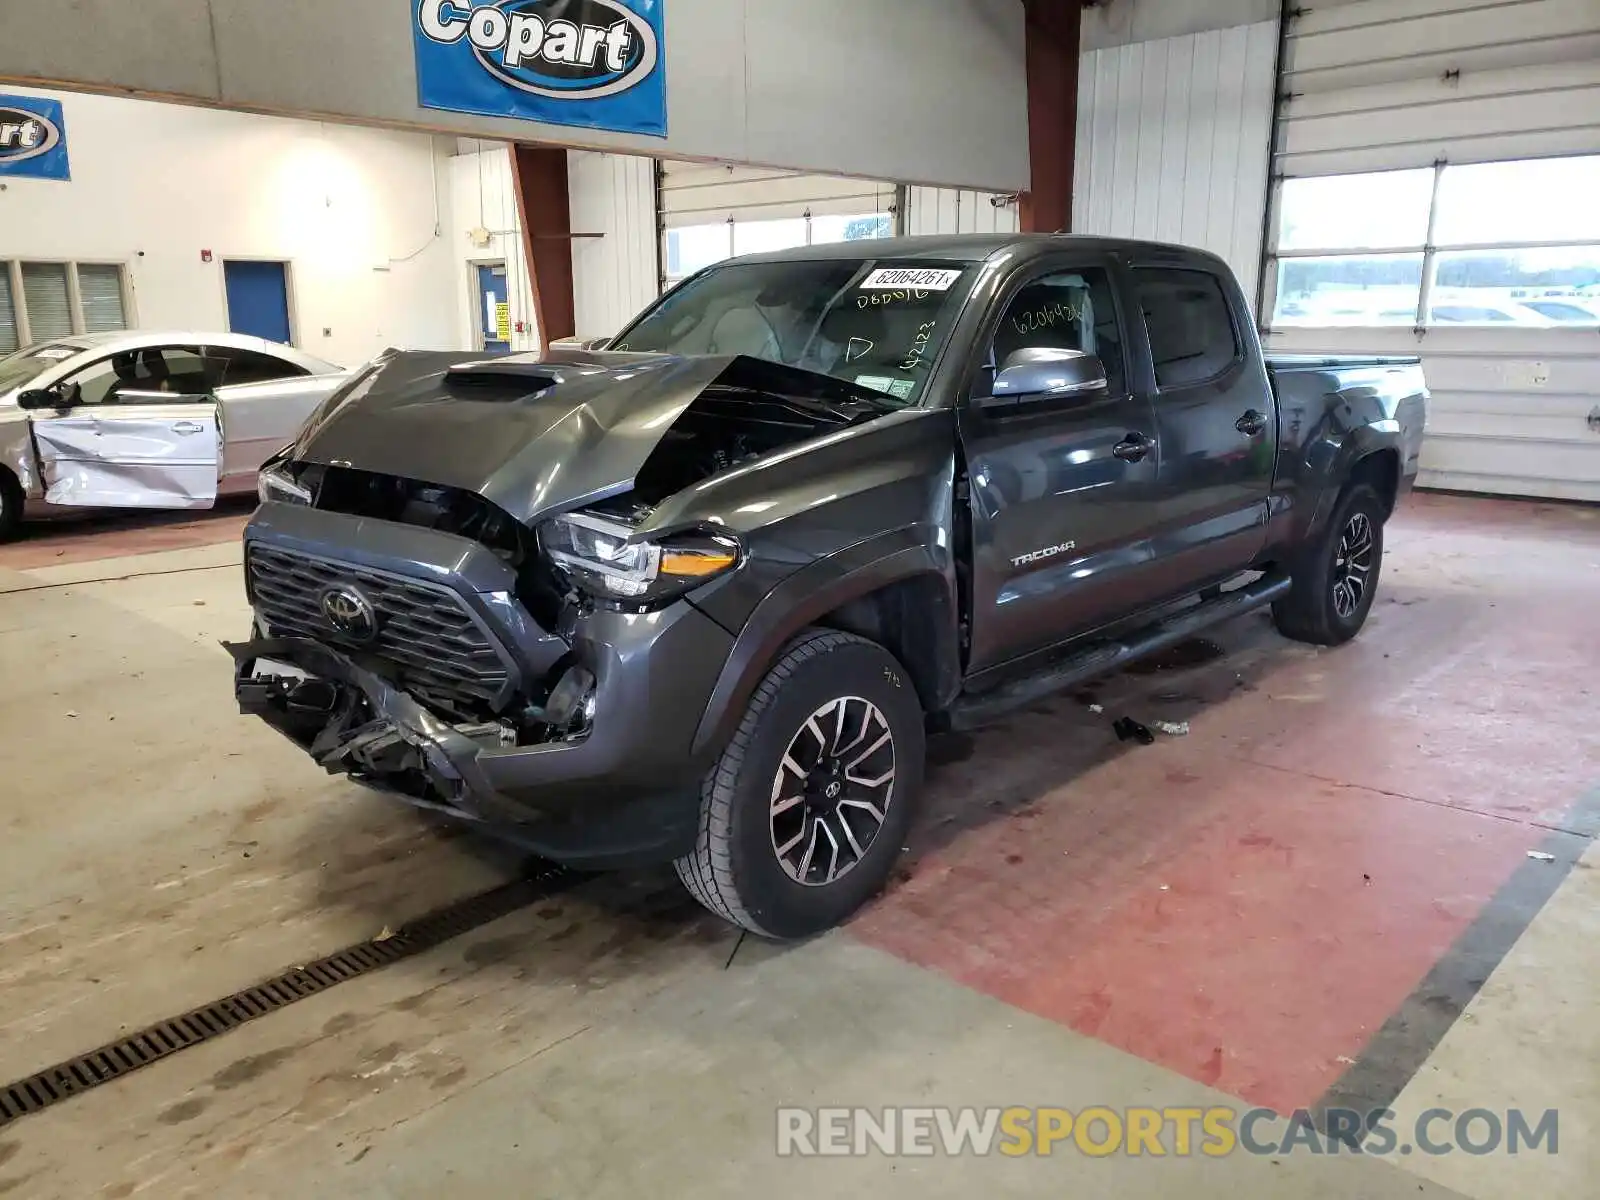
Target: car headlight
(597, 554)
(276, 483)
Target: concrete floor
(1321, 896)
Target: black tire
(1320, 608)
(736, 869)
(11, 501)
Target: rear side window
(1192, 338)
(248, 366)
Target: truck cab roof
(977, 248)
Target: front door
(1217, 426)
(494, 309)
(139, 430)
(1060, 488)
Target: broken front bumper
(625, 791)
(353, 722)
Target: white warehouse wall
(957, 210)
(482, 198)
(613, 276)
(351, 210)
(1172, 142)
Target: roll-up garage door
(709, 212)
(1437, 167)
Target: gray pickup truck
(699, 596)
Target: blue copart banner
(595, 63)
(33, 138)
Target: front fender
(16, 451)
(811, 593)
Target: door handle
(1252, 423)
(188, 427)
(1132, 448)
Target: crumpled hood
(532, 435)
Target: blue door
(494, 316)
(258, 299)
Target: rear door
(265, 399)
(1215, 418)
(1061, 488)
(142, 430)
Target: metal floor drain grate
(116, 1059)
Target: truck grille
(435, 648)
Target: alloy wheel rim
(1352, 566)
(832, 791)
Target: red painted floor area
(88, 539)
(1247, 905)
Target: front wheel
(11, 501)
(1336, 578)
(803, 816)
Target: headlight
(275, 483)
(597, 554)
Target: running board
(970, 712)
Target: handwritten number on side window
(1047, 317)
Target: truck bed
(1301, 381)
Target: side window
(1192, 337)
(250, 366)
(180, 370)
(1067, 310)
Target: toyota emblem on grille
(349, 611)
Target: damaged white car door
(138, 431)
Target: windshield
(878, 324)
(19, 369)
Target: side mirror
(36, 398)
(1046, 372)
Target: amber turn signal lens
(692, 565)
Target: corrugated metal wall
(953, 210)
(1172, 141)
(1388, 84)
(613, 276)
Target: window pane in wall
(1355, 212)
(8, 313)
(851, 229)
(696, 246)
(1364, 289)
(100, 290)
(1559, 287)
(759, 237)
(44, 294)
(1539, 200)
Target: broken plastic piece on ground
(1129, 730)
(1097, 708)
(384, 934)
(1171, 728)
(1541, 856)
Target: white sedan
(146, 420)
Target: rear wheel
(10, 506)
(804, 814)
(1336, 578)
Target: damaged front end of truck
(508, 589)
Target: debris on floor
(1171, 728)
(1097, 708)
(1129, 730)
(1541, 856)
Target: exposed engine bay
(425, 646)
